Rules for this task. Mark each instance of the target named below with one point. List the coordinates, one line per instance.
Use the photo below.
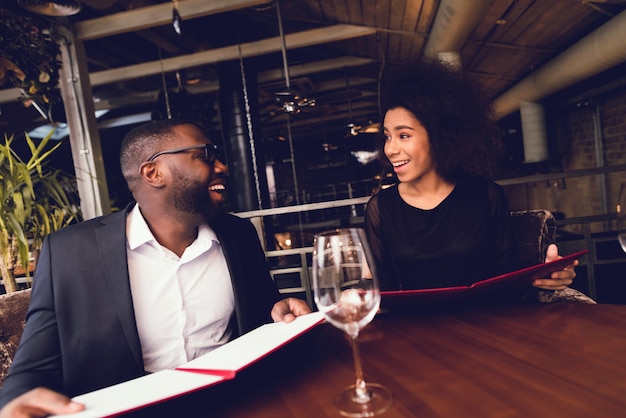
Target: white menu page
(212, 368)
(228, 359)
(141, 392)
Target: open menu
(229, 359)
(516, 279)
(140, 393)
(210, 369)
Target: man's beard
(192, 198)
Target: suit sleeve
(266, 294)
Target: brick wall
(572, 147)
(614, 133)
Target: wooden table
(551, 360)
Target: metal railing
(590, 241)
(355, 209)
(301, 267)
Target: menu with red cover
(139, 393)
(519, 278)
(210, 369)
(229, 359)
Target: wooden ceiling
(336, 50)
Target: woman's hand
(558, 280)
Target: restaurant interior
(289, 90)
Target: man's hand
(287, 309)
(40, 402)
(558, 280)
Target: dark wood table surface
(550, 360)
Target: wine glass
(347, 293)
(621, 217)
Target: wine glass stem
(361, 395)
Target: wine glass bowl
(354, 309)
(347, 293)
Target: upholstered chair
(534, 231)
(13, 307)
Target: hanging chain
(291, 151)
(283, 45)
(167, 96)
(176, 19)
(250, 133)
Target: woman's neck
(425, 193)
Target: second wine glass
(621, 217)
(346, 292)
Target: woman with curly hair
(444, 223)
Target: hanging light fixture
(177, 21)
(51, 8)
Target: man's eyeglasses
(210, 152)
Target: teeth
(399, 163)
(217, 187)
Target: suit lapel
(111, 241)
(228, 236)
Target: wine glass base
(379, 400)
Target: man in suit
(148, 288)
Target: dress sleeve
(376, 239)
(503, 235)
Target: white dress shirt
(183, 306)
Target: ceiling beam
(134, 99)
(13, 94)
(341, 83)
(314, 67)
(10, 95)
(157, 15)
(263, 77)
(251, 49)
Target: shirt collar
(138, 232)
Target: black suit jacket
(80, 333)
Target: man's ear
(151, 174)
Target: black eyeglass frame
(210, 152)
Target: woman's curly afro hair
(464, 139)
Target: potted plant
(35, 200)
(29, 57)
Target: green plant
(29, 57)
(34, 201)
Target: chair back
(534, 230)
(13, 307)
